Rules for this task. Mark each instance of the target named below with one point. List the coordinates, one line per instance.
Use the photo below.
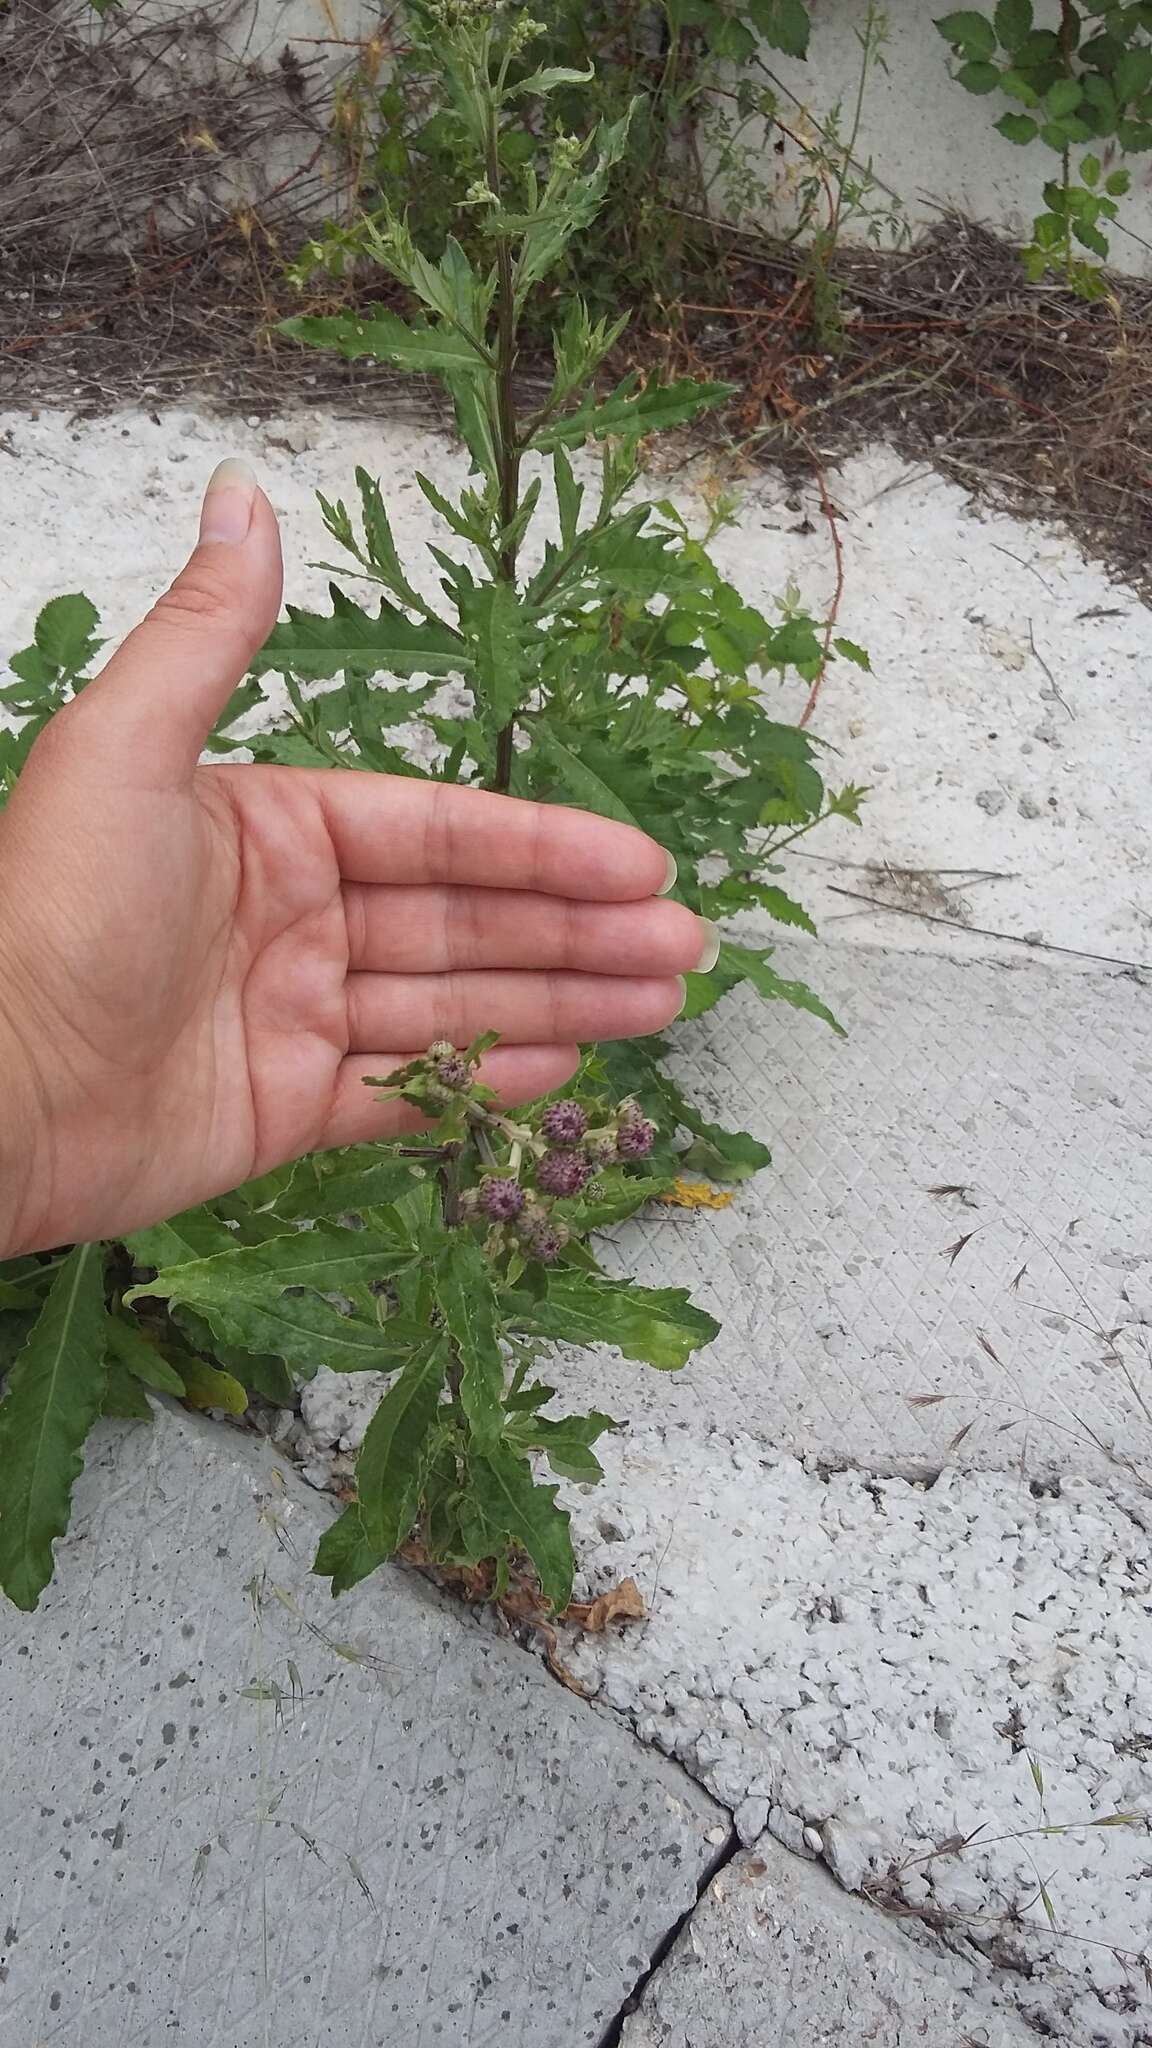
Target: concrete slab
(853, 1329)
(238, 1813)
(776, 1957)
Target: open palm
(200, 965)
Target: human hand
(200, 965)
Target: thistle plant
(607, 664)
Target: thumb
(158, 698)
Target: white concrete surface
(775, 1957)
(932, 147)
(235, 1814)
(840, 1656)
(870, 1669)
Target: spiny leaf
(388, 1470)
(659, 1326)
(388, 339)
(630, 411)
(242, 1295)
(462, 1279)
(313, 646)
(490, 619)
(752, 965)
(51, 1399)
(512, 1506)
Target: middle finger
(436, 930)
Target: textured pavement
(836, 1275)
(776, 1957)
(411, 1836)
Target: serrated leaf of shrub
(242, 1296)
(52, 1397)
(526, 1514)
(389, 1467)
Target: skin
(200, 964)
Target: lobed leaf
(659, 1326)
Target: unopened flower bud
(562, 1173)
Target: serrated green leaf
(345, 1553)
(1117, 183)
(659, 1326)
(724, 1155)
(548, 78)
(243, 1296)
(969, 31)
(313, 646)
(1012, 22)
(463, 1282)
(512, 1506)
(370, 1179)
(1063, 97)
(631, 411)
(1090, 170)
(387, 338)
(1018, 127)
(978, 77)
(753, 966)
(490, 621)
(569, 496)
(581, 783)
(566, 1442)
(65, 633)
(852, 652)
(390, 1464)
(52, 1397)
(1131, 78)
(784, 24)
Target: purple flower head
(501, 1199)
(546, 1242)
(454, 1072)
(564, 1124)
(562, 1173)
(635, 1136)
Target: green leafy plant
(1085, 81)
(611, 666)
(667, 64)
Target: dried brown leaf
(624, 1602)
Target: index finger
(389, 828)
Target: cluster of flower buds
(556, 1162)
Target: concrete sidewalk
(234, 1812)
(238, 1813)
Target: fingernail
(671, 872)
(226, 513)
(710, 950)
(683, 992)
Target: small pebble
(991, 800)
(1029, 808)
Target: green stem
(507, 425)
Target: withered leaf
(624, 1602)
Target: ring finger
(525, 1008)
